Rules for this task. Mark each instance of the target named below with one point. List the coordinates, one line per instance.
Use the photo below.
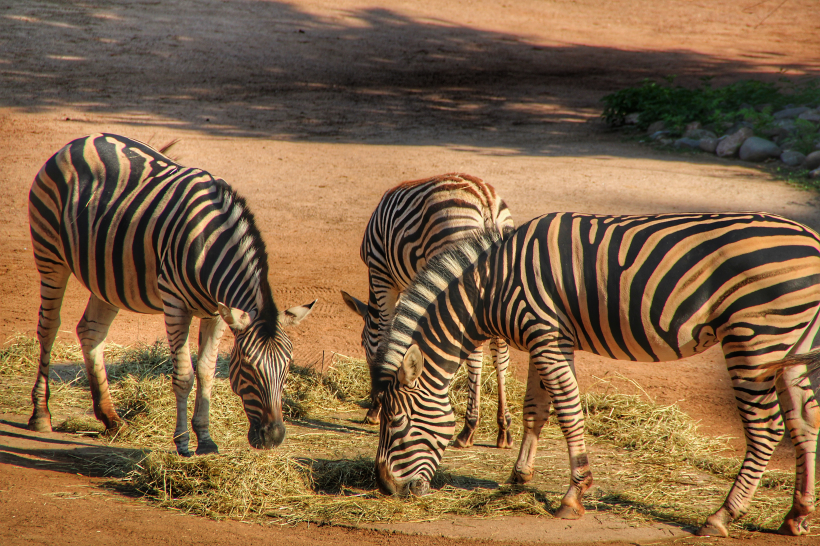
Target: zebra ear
(236, 319)
(295, 315)
(358, 307)
(411, 366)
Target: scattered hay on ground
(649, 460)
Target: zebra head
(417, 423)
(259, 364)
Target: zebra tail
(811, 360)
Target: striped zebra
(640, 288)
(413, 222)
(143, 233)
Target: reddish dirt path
(312, 109)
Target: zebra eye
(398, 421)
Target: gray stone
(814, 174)
(790, 113)
(810, 115)
(666, 141)
(655, 127)
(738, 126)
(632, 119)
(693, 126)
(657, 135)
(758, 149)
(687, 143)
(729, 146)
(792, 158)
(698, 134)
(708, 144)
(812, 161)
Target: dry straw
(650, 462)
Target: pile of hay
(649, 460)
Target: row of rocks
(741, 141)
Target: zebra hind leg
(501, 357)
(92, 330)
(52, 288)
(210, 332)
(537, 404)
(465, 438)
(802, 416)
(763, 427)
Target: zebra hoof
(504, 440)
(570, 512)
(520, 478)
(715, 525)
(40, 424)
(206, 448)
(794, 526)
(464, 439)
(184, 453)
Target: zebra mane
(269, 313)
(431, 281)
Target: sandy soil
(313, 108)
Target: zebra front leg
(52, 289)
(177, 326)
(210, 332)
(537, 403)
(763, 428)
(92, 331)
(501, 357)
(802, 415)
(465, 438)
(559, 379)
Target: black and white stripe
(146, 234)
(641, 288)
(413, 222)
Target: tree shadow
(266, 69)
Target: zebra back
(131, 224)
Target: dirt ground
(311, 109)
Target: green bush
(719, 107)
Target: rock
(665, 141)
(698, 134)
(657, 135)
(814, 174)
(687, 143)
(790, 113)
(792, 158)
(810, 115)
(655, 127)
(729, 146)
(708, 144)
(758, 149)
(738, 126)
(632, 119)
(693, 126)
(812, 161)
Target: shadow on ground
(267, 69)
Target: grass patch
(677, 106)
(649, 460)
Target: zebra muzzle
(266, 436)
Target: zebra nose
(419, 487)
(267, 436)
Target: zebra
(412, 222)
(640, 288)
(146, 234)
